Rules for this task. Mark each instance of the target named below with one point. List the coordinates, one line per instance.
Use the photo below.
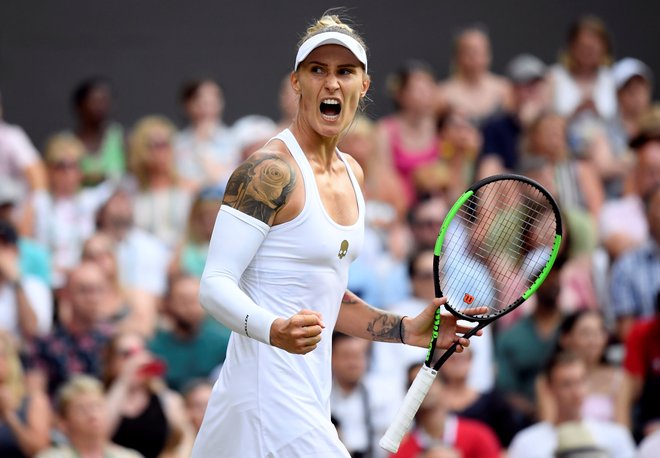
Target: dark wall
(149, 47)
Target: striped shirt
(635, 281)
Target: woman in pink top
(407, 138)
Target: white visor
(331, 38)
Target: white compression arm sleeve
(235, 240)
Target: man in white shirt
(566, 375)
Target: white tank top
(265, 395)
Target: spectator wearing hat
(566, 376)
(502, 132)
(26, 305)
(622, 222)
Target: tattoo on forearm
(385, 328)
(260, 186)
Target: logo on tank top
(343, 249)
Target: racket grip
(404, 417)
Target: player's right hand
(299, 334)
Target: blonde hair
(15, 381)
(77, 385)
(331, 23)
(596, 26)
(138, 145)
(62, 141)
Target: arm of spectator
(545, 407)
(592, 188)
(9, 271)
(35, 175)
(33, 435)
(181, 435)
(623, 400)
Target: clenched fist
(299, 334)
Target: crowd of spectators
(104, 231)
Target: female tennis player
(291, 222)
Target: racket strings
(500, 241)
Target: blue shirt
(635, 281)
(501, 137)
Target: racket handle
(404, 417)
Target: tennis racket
(496, 246)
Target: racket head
(496, 246)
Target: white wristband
(236, 239)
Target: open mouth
(330, 109)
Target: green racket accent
(546, 270)
(434, 334)
(450, 216)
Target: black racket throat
(452, 349)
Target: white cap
(331, 38)
(629, 67)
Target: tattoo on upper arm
(385, 328)
(260, 186)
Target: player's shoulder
(354, 165)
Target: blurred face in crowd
(588, 338)
(647, 170)
(457, 368)
(183, 304)
(64, 173)
(587, 50)
(116, 218)
(423, 286)
(95, 107)
(427, 220)
(461, 133)
(360, 142)
(85, 416)
(99, 250)
(160, 152)
(568, 384)
(635, 96)
(418, 93)
(203, 218)
(196, 402)
(350, 357)
(207, 103)
(548, 139)
(87, 291)
(473, 53)
(288, 100)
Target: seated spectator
(143, 414)
(460, 144)
(24, 414)
(163, 200)
(502, 132)
(472, 88)
(357, 404)
(490, 407)
(643, 372)
(567, 378)
(622, 223)
(26, 303)
(190, 256)
(635, 276)
(193, 344)
(437, 429)
(583, 333)
(407, 139)
(19, 160)
(196, 394)
(141, 259)
(33, 257)
(64, 217)
(205, 151)
(103, 155)
(99, 249)
(82, 418)
(74, 345)
(582, 81)
(522, 349)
